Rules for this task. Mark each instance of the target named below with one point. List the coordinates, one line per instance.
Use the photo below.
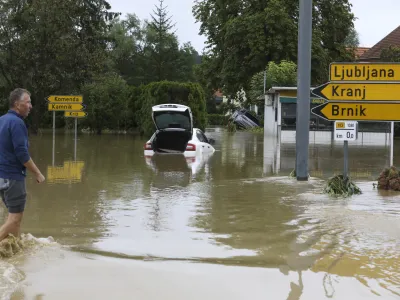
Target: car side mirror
(211, 141)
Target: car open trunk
(171, 141)
(174, 124)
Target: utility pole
(303, 89)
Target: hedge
(217, 119)
(189, 94)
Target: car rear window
(172, 120)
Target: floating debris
(389, 179)
(339, 186)
(10, 246)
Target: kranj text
(349, 92)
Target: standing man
(14, 160)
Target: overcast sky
(375, 18)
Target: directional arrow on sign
(66, 107)
(65, 99)
(333, 111)
(75, 114)
(345, 91)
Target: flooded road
(231, 226)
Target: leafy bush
(217, 119)
(282, 74)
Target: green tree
(51, 46)
(243, 36)
(282, 74)
(144, 52)
(127, 38)
(162, 45)
(352, 39)
(107, 99)
(187, 62)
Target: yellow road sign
(65, 99)
(358, 91)
(340, 124)
(66, 107)
(364, 72)
(75, 114)
(333, 111)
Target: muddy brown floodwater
(112, 224)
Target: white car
(175, 133)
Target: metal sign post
(346, 131)
(54, 135)
(391, 142)
(72, 106)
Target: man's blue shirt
(14, 146)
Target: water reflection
(69, 172)
(175, 169)
(368, 155)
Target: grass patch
(255, 129)
(338, 186)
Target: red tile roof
(360, 51)
(392, 39)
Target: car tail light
(147, 146)
(190, 147)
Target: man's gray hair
(17, 95)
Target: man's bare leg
(12, 225)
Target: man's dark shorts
(13, 193)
